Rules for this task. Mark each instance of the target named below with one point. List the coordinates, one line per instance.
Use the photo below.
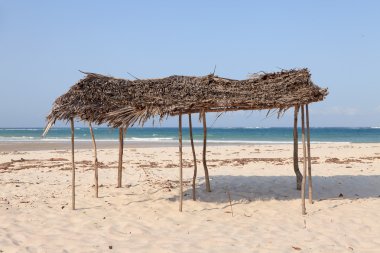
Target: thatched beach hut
(121, 103)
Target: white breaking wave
(18, 138)
(20, 129)
(151, 139)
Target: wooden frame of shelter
(122, 103)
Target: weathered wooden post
(304, 161)
(309, 156)
(180, 162)
(73, 165)
(208, 187)
(295, 149)
(120, 166)
(95, 161)
(194, 156)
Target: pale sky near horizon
(43, 44)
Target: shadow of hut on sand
(264, 188)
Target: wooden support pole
(309, 156)
(73, 165)
(120, 166)
(208, 188)
(295, 149)
(304, 161)
(124, 137)
(194, 156)
(180, 162)
(95, 162)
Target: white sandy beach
(36, 215)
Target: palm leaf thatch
(122, 103)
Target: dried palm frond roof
(121, 102)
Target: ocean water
(222, 135)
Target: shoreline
(9, 146)
(44, 145)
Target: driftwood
(5, 166)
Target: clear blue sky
(43, 44)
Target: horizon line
(247, 127)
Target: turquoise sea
(223, 135)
